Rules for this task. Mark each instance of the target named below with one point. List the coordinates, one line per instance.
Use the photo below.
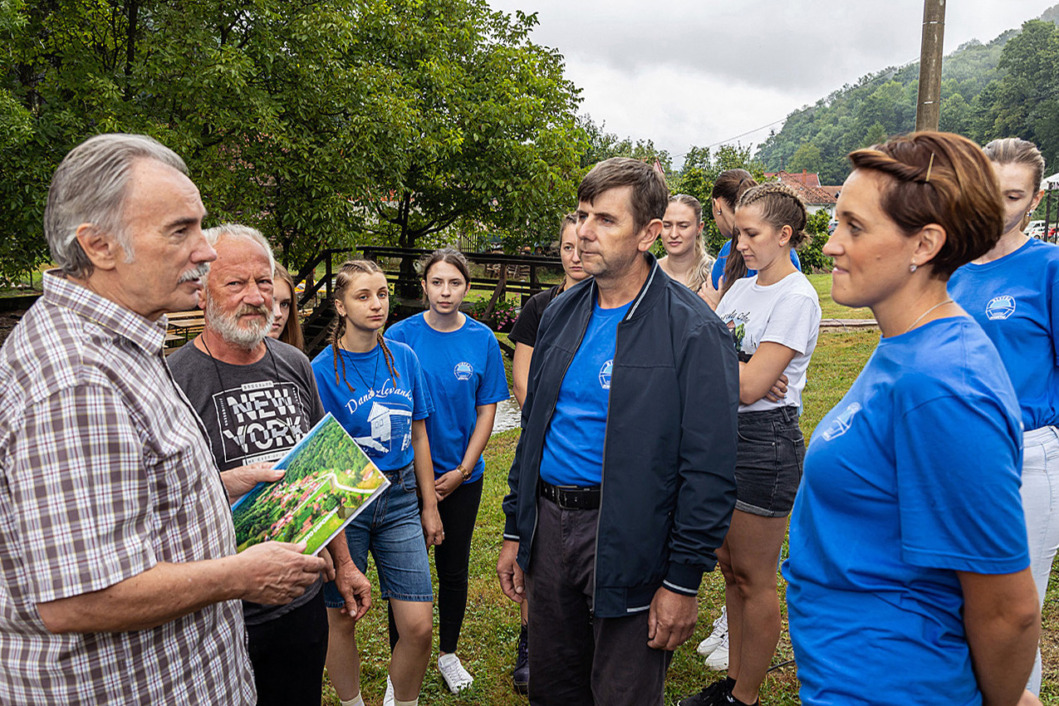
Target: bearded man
(257, 398)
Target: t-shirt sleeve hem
(969, 564)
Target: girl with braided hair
(909, 577)
(377, 391)
(729, 267)
(774, 316)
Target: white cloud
(695, 73)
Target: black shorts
(768, 463)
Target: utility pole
(928, 109)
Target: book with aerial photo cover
(329, 481)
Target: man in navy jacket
(623, 481)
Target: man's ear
(100, 247)
(649, 235)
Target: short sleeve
(524, 330)
(794, 322)
(1053, 305)
(718, 265)
(422, 404)
(958, 466)
(81, 500)
(494, 381)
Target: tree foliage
(700, 172)
(1006, 87)
(314, 121)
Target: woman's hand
(432, 528)
(446, 483)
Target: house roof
(807, 185)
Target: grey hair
(90, 186)
(241, 232)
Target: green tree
(806, 158)
(258, 99)
(491, 138)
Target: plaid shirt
(104, 472)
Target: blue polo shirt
(573, 445)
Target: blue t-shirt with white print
(464, 370)
(911, 478)
(573, 447)
(379, 412)
(1015, 300)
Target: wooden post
(928, 107)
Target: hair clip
(929, 167)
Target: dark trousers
(452, 558)
(288, 656)
(576, 658)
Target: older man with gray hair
(257, 398)
(119, 581)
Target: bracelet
(463, 471)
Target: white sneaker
(387, 699)
(718, 659)
(720, 631)
(456, 677)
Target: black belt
(571, 497)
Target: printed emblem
(463, 371)
(604, 374)
(842, 423)
(1000, 308)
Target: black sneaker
(520, 674)
(712, 695)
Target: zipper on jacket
(548, 426)
(606, 431)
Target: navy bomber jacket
(668, 486)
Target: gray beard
(247, 337)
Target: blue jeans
(390, 528)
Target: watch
(463, 471)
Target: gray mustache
(195, 273)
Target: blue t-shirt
(1016, 302)
(463, 370)
(722, 257)
(573, 446)
(379, 413)
(912, 477)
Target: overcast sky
(700, 72)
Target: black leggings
(458, 511)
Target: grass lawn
(490, 631)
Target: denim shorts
(390, 528)
(768, 463)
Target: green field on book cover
(329, 481)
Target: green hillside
(1008, 87)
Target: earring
(913, 267)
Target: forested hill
(1008, 87)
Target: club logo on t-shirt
(604, 374)
(842, 423)
(1000, 308)
(463, 370)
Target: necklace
(924, 314)
(217, 368)
(357, 370)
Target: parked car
(1035, 229)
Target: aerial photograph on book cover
(329, 481)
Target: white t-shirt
(788, 313)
